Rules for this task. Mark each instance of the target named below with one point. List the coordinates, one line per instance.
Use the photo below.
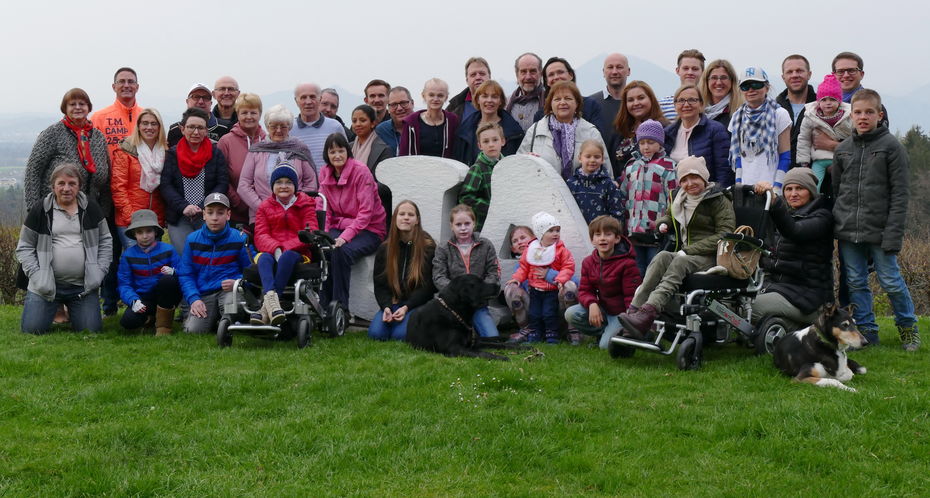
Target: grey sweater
(34, 250)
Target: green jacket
(870, 184)
(713, 218)
(476, 190)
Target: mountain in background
(18, 130)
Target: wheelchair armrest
(316, 237)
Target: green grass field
(122, 414)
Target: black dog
(817, 354)
(444, 324)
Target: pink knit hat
(830, 88)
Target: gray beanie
(803, 177)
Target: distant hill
(18, 130)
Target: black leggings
(167, 294)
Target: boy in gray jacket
(870, 182)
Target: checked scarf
(754, 132)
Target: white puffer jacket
(538, 140)
(843, 130)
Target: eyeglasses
(751, 85)
(279, 126)
(205, 98)
(850, 71)
(225, 89)
(126, 82)
(691, 101)
(197, 128)
(402, 103)
(719, 78)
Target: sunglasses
(754, 85)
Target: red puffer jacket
(276, 227)
(609, 282)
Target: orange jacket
(116, 122)
(128, 196)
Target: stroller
(300, 301)
(709, 308)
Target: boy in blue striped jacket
(214, 257)
(147, 280)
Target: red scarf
(82, 134)
(191, 163)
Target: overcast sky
(50, 47)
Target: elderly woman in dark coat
(799, 275)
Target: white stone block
(521, 186)
(433, 183)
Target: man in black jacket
(796, 73)
(477, 71)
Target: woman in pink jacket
(355, 217)
(235, 146)
(263, 157)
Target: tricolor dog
(817, 354)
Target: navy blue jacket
(466, 147)
(597, 195)
(710, 140)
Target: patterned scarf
(292, 146)
(520, 97)
(563, 141)
(82, 134)
(754, 132)
(714, 110)
(151, 162)
(190, 163)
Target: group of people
(639, 167)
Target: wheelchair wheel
(689, 354)
(223, 336)
(768, 332)
(336, 319)
(303, 333)
(619, 350)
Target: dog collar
(474, 335)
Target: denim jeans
(856, 261)
(123, 239)
(84, 311)
(387, 331)
(544, 311)
(644, 256)
(577, 316)
(483, 323)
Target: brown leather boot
(636, 324)
(164, 319)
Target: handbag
(739, 252)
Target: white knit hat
(542, 222)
